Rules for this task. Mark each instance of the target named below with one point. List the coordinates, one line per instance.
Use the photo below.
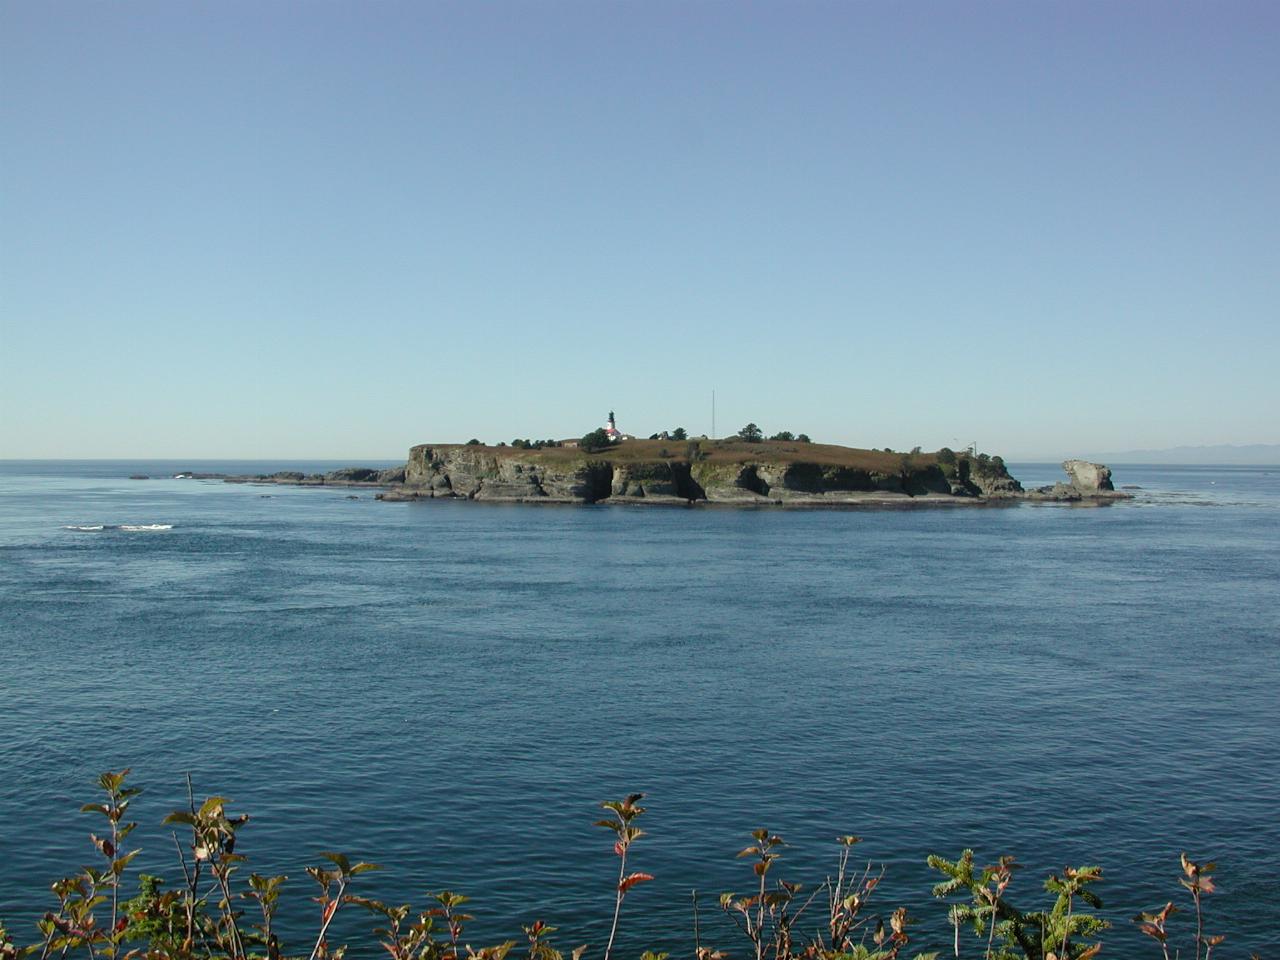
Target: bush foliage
(218, 912)
(597, 439)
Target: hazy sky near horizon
(270, 229)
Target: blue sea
(450, 689)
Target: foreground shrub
(218, 912)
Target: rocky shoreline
(1086, 482)
(723, 474)
(738, 479)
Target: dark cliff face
(478, 473)
(987, 477)
(760, 474)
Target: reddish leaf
(632, 879)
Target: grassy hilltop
(727, 451)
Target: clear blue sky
(319, 229)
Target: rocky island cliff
(724, 472)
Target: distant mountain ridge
(1249, 454)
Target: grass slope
(712, 451)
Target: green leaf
(212, 805)
(338, 859)
(118, 865)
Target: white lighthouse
(611, 429)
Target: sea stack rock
(1088, 477)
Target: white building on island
(611, 430)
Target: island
(732, 471)
(607, 466)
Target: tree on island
(783, 435)
(803, 438)
(750, 434)
(597, 439)
(473, 442)
(679, 433)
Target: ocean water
(450, 689)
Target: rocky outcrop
(478, 474)
(988, 477)
(482, 473)
(1087, 482)
(808, 483)
(717, 472)
(353, 475)
(655, 481)
(1088, 477)
(720, 472)
(730, 483)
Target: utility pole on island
(713, 414)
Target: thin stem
(237, 945)
(760, 917)
(697, 934)
(193, 878)
(48, 944)
(1199, 920)
(115, 877)
(324, 928)
(453, 930)
(1066, 931)
(617, 900)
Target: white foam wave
(126, 527)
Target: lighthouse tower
(611, 428)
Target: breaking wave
(126, 527)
